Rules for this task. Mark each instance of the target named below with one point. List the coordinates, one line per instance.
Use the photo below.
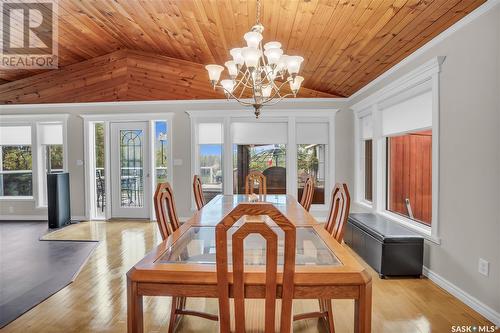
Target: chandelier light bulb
(272, 45)
(228, 85)
(251, 56)
(214, 72)
(231, 68)
(267, 90)
(253, 39)
(293, 64)
(296, 83)
(273, 55)
(237, 57)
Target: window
(368, 171)
(100, 171)
(210, 159)
(270, 159)
(50, 139)
(312, 139)
(161, 151)
(16, 176)
(409, 175)
(311, 162)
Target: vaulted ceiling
(345, 43)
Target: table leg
(363, 309)
(134, 309)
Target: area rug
(32, 270)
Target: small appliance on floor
(58, 200)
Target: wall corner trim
(463, 296)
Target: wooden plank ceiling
(345, 43)
(123, 75)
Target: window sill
(425, 231)
(20, 198)
(364, 204)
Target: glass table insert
(197, 246)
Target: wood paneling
(123, 75)
(410, 174)
(346, 44)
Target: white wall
(181, 143)
(469, 198)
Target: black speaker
(58, 199)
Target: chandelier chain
(258, 12)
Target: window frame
(37, 167)
(423, 78)
(289, 116)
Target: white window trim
(107, 119)
(428, 74)
(291, 117)
(33, 120)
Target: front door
(129, 170)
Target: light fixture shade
(237, 57)
(228, 85)
(273, 55)
(267, 90)
(251, 56)
(231, 68)
(293, 64)
(272, 45)
(281, 65)
(214, 72)
(253, 38)
(296, 83)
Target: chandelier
(261, 71)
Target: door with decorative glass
(130, 170)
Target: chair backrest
(262, 228)
(166, 214)
(251, 178)
(339, 211)
(307, 194)
(198, 192)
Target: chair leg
(327, 307)
(178, 303)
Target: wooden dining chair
(238, 274)
(198, 192)
(339, 211)
(337, 218)
(251, 179)
(168, 222)
(307, 194)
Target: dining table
(183, 265)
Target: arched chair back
(307, 194)
(166, 214)
(339, 211)
(198, 192)
(251, 179)
(238, 276)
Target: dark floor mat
(32, 270)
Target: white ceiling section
(15, 135)
(210, 133)
(312, 133)
(259, 133)
(411, 114)
(51, 134)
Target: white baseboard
(35, 218)
(466, 298)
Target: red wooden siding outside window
(409, 175)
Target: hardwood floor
(96, 300)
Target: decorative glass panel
(132, 168)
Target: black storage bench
(391, 249)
